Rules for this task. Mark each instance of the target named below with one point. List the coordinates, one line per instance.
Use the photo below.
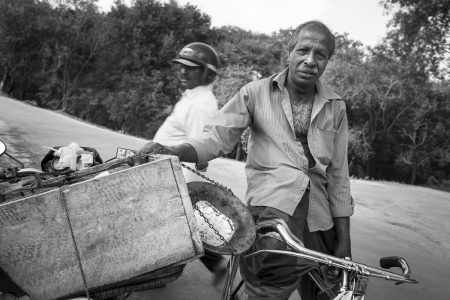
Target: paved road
(390, 219)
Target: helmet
(198, 55)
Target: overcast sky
(363, 20)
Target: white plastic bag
(74, 157)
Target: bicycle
(355, 275)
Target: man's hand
(151, 148)
(201, 166)
(185, 152)
(342, 248)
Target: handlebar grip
(395, 261)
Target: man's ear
(211, 77)
(208, 76)
(289, 56)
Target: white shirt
(195, 108)
(190, 114)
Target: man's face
(191, 77)
(309, 58)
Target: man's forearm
(342, 227)
(185, 152)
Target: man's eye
(321, 55)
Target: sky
(363, 20)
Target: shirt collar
(323, 91)
(198, 89)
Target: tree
(132, 80)
(423, 137)
(23, 28)
(230, 81)
(260, 52)
(348, 73)
(80, 36)
(418, 42)
(420, 34)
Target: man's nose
(310, 58)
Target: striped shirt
(277, 169)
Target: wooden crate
(125, 224)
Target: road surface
(390, 218)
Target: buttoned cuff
(343, 210)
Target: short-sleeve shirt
(190, 114)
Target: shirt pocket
(323, 141)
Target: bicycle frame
(354, 273)
(341, 263)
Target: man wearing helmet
(198, 64)
(297, 169)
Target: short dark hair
(315, 25)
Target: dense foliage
(114, 69)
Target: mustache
(308, 70)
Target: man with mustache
(297, 169)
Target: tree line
(114, 69)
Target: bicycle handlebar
(341, 263)
(395, 261)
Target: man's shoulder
(326, 92)
(203, 94)
(260, 84)
(337, 106)
(205, 101)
